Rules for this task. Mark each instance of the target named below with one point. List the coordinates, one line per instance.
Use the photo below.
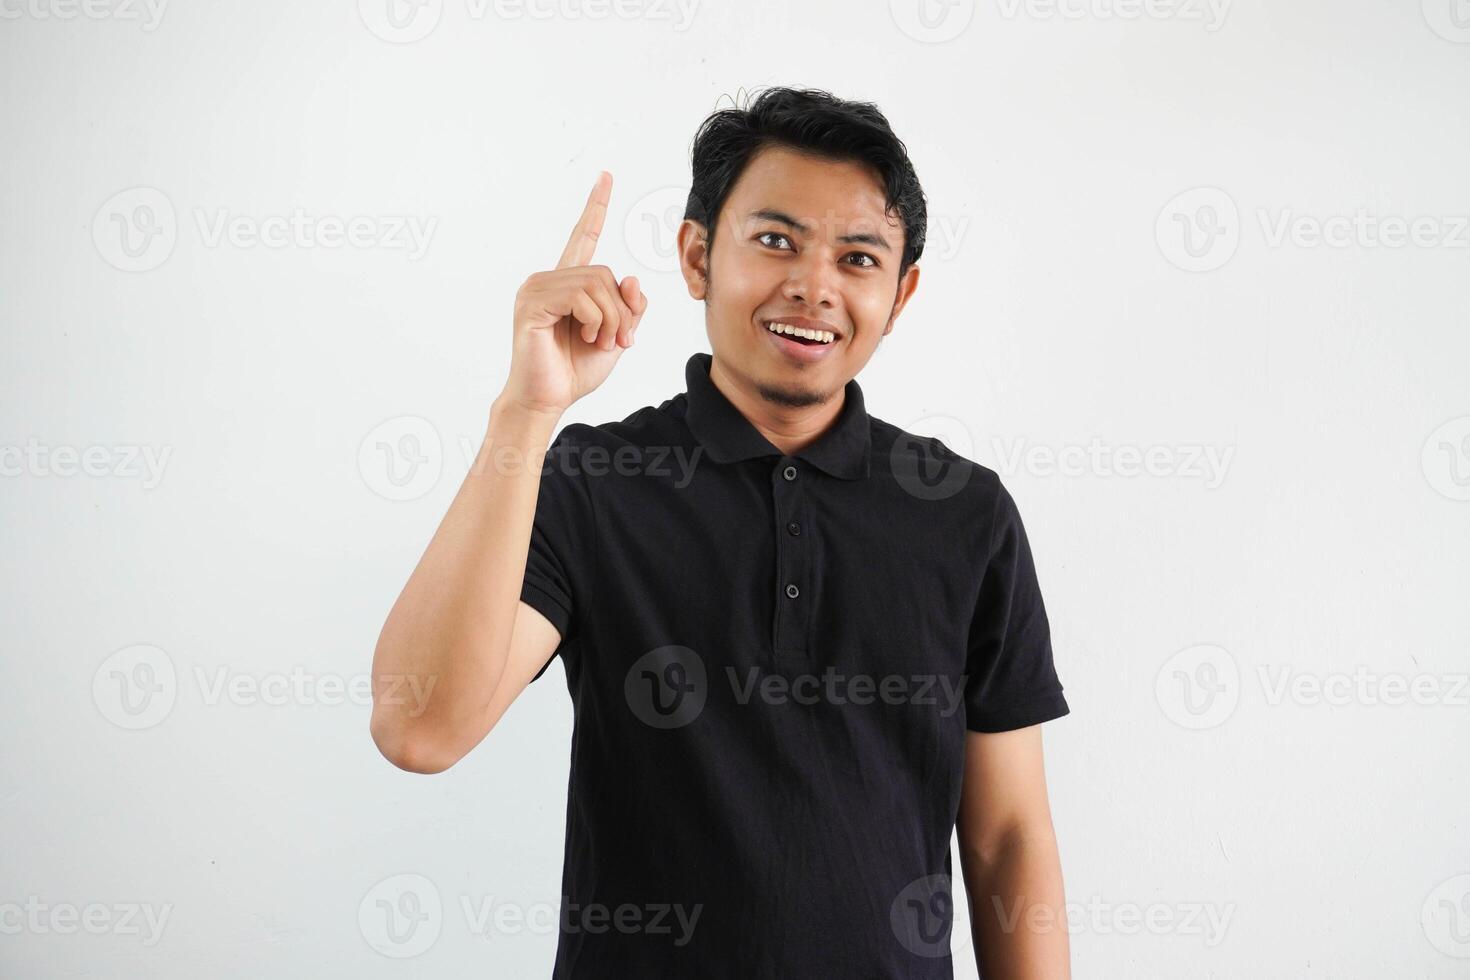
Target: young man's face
(798, 238)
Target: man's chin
(790, 394)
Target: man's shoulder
(645, 428)
(929, 459)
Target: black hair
(810, 121)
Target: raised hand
(572, 322)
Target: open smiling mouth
(807, 338)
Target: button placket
(792, 614)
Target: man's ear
(906, 287)
(693, 245)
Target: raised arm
(459, 645)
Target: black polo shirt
(773, 660)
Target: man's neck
(788, 428)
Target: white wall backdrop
(1196, 285)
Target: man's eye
(869, 263)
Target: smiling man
(798, 664)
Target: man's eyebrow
(781, 217)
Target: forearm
(1018, 910)
(443, 648)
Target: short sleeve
(561, 541)
(1011, 680)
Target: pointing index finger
(584, 237)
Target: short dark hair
(811, 121)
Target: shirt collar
(728, 436)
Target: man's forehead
(799, 184)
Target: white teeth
(825, 336)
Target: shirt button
(794, 527)
(792, 591)
(789, 472)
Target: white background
(1061, 307)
